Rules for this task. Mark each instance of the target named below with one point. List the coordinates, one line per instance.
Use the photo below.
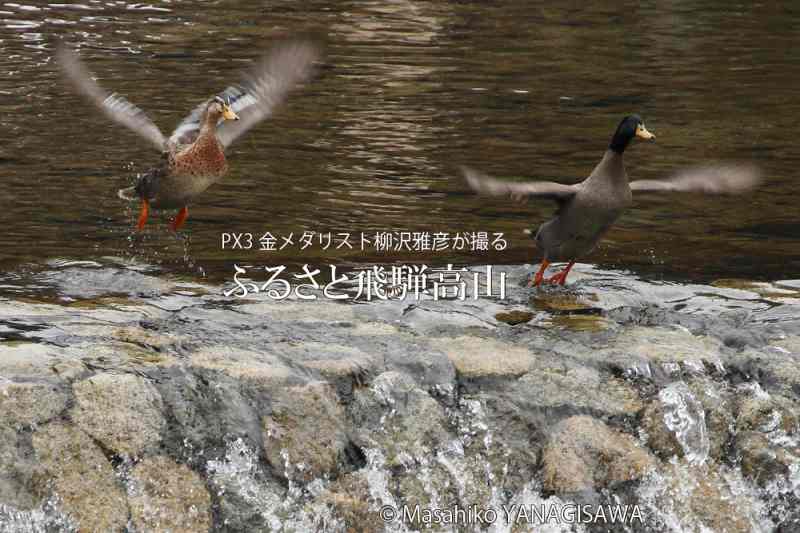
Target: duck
(193, 156)
(587, 210)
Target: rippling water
(409, 90)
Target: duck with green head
(193, 157)
(588, 209)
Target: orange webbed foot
(180, 218)
(561, 277)
(145, 211)
(539, 277)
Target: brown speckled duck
(588, 209)
(194, 155)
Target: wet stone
(29, 403)
(577, 390)
(146, 339)
(676, 424)
(476, 357)
(352, 502)
(122, 411)
(648, 351)
(584, 454)
(346, 366)
(765, 462)
(300, 451)
(513, 318)
(767, 414)
(681, 497)
(82, 478)
(718, 404)
(394, 415)
(19, 470)
(259, 368)
(580, 322)
(167, 496)
(566, 303)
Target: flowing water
(408, 91)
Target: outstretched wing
(254, 99)
(712, 179)
(116, 107)
(484, 184)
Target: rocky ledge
(150, 404)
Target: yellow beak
(642, 133)
(228, 114)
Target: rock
(345, 366)
(262, 369)
(714, 507)
(766, 441)
(246, 498)
(414, 356)
(166, 496)
(44, 518)
(645, 351)
(682, 497)
(579, 322)
(565, 303)
(397, 417)
(505, 433)
(773, 367)
(715, 398)
(204, 409)
(121, 411)
(352, 503)
(324, 311)
(298, 450)
(791, 523)
(675, 425)
(18, 471)
(29, 403)
(147, 339)
(660, 438)
(766, 414)
(435, 317)
(477, 357)
(576, 390)
(70, 370)
(763, 461)
(583, 454)
(81, 477)
(513, 318)
(26, 360)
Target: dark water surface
(408, 91)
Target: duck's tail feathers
(129, 194)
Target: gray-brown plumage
(193, 157)
(588, 209)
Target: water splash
(239, 473)
(43, 519)
(685, 418)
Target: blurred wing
(116, 107)
(481, 183)
(286, 65)
(714, 179)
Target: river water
(408, 91)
